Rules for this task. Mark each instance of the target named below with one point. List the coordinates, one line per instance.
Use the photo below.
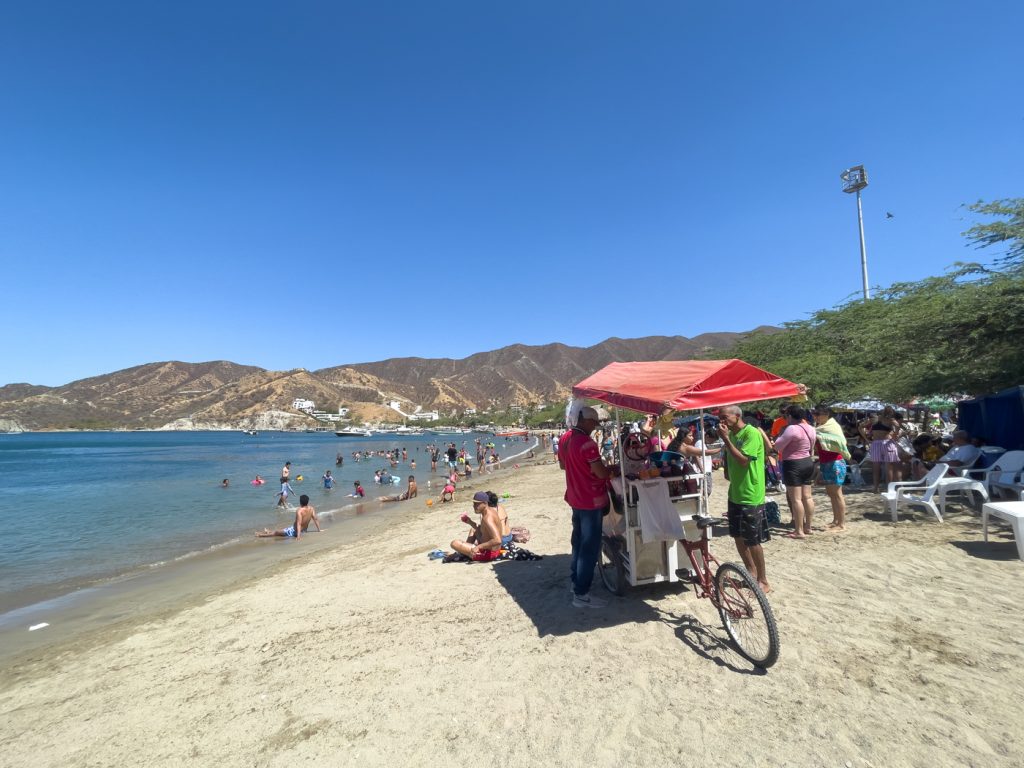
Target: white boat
(252, 432)
(353, 432)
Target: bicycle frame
(702, 569)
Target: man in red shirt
(586, 478)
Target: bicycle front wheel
(746, 615)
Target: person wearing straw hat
(586, 492)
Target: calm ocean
(79, 509)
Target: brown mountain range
(221, 394)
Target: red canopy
(684, 385)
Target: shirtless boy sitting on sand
(304, 515)
(484, 543)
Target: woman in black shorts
(795, 446)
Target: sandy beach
(901, 646)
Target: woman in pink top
(794, 446)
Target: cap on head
(480, 497)
(591, 413)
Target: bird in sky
(889, 215)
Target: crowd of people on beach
(792, 453)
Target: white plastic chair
(964, 469)
(1005, 473)
(955, 484)
(1013, 513)
(987, 458)
(915, 492)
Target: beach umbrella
(938, 402)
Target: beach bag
(772, 516)
(520, 535)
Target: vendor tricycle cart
(663, 516)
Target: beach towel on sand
(512, 552)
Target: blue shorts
(289, 531)
(834, 472)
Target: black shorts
(747, 523)
(798, 471)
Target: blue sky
(309, 184)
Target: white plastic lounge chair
(1013, 513)
(955, 484)
(1005, 473)
(987, 458)
(963, 469)
(915, 492)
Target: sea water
(83, 508)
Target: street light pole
(854, 180)
(863, 250)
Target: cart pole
(622, 456)
(704, 475)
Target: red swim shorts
(487, 555)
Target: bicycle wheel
(613, 569)
(746, 615)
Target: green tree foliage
(1009, 228)
(958, 332)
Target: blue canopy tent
(999, 418)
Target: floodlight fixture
(854, 179)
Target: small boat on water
(403, 431)
(512, 433)
(251, 432)
(352, 432)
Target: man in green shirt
(744, 469)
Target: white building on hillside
(424, 416)
(302, 404)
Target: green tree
(957, 332)
(1008, 229)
